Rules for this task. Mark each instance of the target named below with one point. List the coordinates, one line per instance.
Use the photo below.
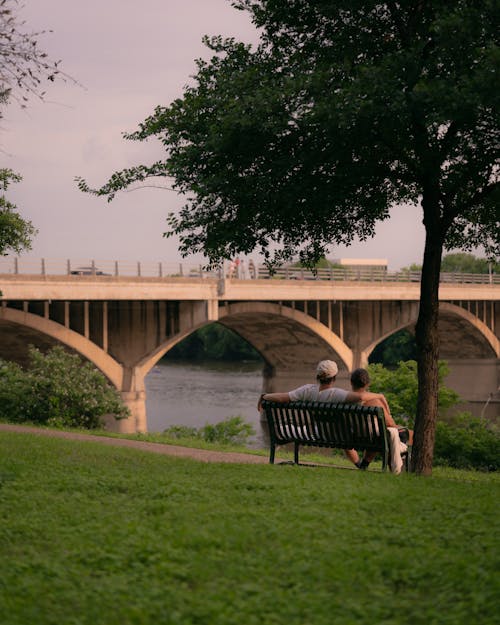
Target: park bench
(321, 424)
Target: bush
(400, 386)
(230, 431)
(181, 431)
(58, 389)
(467, 442)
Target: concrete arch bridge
(124, 325)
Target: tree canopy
(343, 110)
(468, 263)
(15, 232)
(461, 262)
(24, 66)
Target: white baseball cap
(327, 369)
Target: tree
(24, 66)
(213, 342)
(344, 110)
(462, 262)
(397, 347)
(468, 263)
(23, 69)
(15, 232)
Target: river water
(196, 393)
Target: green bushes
(466, 442)
(400, 386)
(230, 431)
(462, 441)
(57, 389)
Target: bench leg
(296, 453)
(385, 460)
(272, 451)
(408, 459)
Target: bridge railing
(242, 271)
(86, 267)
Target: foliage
(57, 389)
(396, 348)
(322, 263)
(461, 262)
(400, 386)
(177, 541)
(15, 233)
(178, 432)
(230, 431)
(412, 267)
(23, 65)
(467, 442)
(343, 111)
(213, 342)
(468, 263)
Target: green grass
(101, 536)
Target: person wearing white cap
(326, 373)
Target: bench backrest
(326, 424)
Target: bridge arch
(476, 339)
(48, 333)
(289, 341)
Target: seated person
(360, 381)
(323, 390)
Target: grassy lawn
(97, 535)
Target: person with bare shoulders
(360, 381)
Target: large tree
(344, 110)
(24, 69)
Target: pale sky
(129, 58)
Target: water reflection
(197, 393)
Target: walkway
(201, 455)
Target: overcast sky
(128, 57)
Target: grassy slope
(98, 535)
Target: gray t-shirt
(311, 392)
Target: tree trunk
(427, 340)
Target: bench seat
(322, 424)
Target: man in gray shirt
(323, 390)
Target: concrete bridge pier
(133, 394)
(477, 381)
(136, 422)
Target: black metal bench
(321, 424)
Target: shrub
(400, 386)
(181, 431)
(467, 442)
(59, 389)
(230, 431)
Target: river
(196, 393)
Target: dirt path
(202, 455)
